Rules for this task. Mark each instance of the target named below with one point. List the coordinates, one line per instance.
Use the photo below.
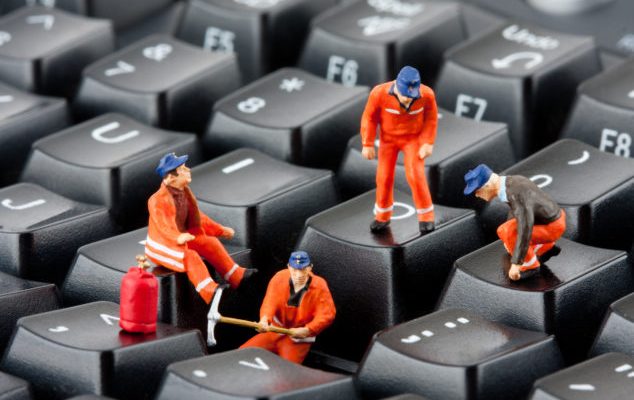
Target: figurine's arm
(525, 219)
(324, 313)
(270, 301)
(162, 218)
(370, 119)
(428, 134)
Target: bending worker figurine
(179, 233)
(536, 220)
(295, 299)
(407, 115)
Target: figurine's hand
(227, 233)
(264, 324)
(514, 272)
(184, 238)
(300, 332)
(368, 152)
(425, 151)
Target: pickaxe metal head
(213, 316)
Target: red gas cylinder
(139, 300)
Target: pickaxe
(214, 317)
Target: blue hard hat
(408, 82)
(170, 162)
(476, 178)
(299, 260)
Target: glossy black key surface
(367, 42)
(24, 118)
(461, 143)
(160, 81)
(97, 357)
(594, 188)
(603, 114)
(568, 298)
(607, 377)
(265, 34)
(44, 50)
(108, 160)
(40, 231)
(457, 354)
(251, 373)
(406, 397)
(19, 298)
(12, 388)
(265, 201)
(378, 280)
(291, 115)
(616, 331)
(520, 74)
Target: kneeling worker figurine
(536, 220)
(298, 300)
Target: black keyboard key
(40, 231)
(367, 42)
(604, 111)
(460, 144)
(399, 268)
(406, 397)
(82, 350)
(44, 50)
(266, 34)
(160, 81)
(607, 377)
(554, 301)
(520, 74)
(12, 388)
(616, 331)
(90, 397)
(593, 187)
(24, 118)
(109, 160)
(456, 354)
(291, 115)
(251, 374)
(19, 298)
(266, 201)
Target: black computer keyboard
(266, 98)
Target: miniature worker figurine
(179, 233)
(407, 115)
(536, 220)
(298, 300)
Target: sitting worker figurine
(407, 115)
(298, 300)
(179, 233)
(536, 220)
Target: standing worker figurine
(298, 300)
(407, 114)
(179, 233)
(536, 220)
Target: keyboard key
(160, 81)
(456, 354)
(44, 50)
(90, 397)
(12, 388)
(520, 74)
(40, 231)
(265, 201)
(604, 111)
(607, 377)
(460, 144)
(82, 350)
(290, 115)
(266, 34)
(20, 298)
(616, 332)
(108, 160)
(24, 118)
(406, 397)
(399, 267)
(593, 187)
(251, 374)
(554, 301)
(367, 42)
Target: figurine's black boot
(553, 252)
(528, 273)
(426, 226)
(378, 226)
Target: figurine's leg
(507, 232)
(388, 153)
(415, 173)
(545, 236)
(292, 351)
(214, 252)
(267, 341)
(198, 275)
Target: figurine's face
(403, 99)
(179, 181)
(300, 276)
(487, 192)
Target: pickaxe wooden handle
(251, 324)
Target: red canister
(139, 301)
